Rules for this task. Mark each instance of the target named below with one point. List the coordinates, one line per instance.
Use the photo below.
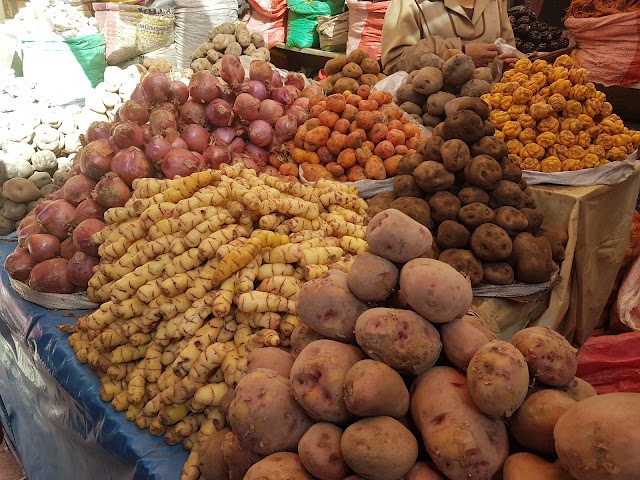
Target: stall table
(51, 410)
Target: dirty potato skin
(276, 359)
(526, 466)
(422, 471)
(267, 424)
(400, 338)
(461, 339)
(320, 453)
(397, 237)
(317, 379)
(301, 337)
(372, 278)
(211, 460)
(282, 465)
(579, 389)
(238, 456)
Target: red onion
(111, 191)
(180, 162)
(302, 102)
(128, 134)
(215, 156)
(295, 79)
(148, 134)
(178, 92)
(270, 111)
(232, 70)
(43, 246)
(55, 218)
(168, 107)
(246, 107)
(161, 120)
(286, 128)
(260, 133)
(203, 87)
(89, 208)
(258, 155)
(196, 137)
(51, 276)
(78, 188)
(284, 95)
(261, 71)
(130, 164)
(19, 264)
(40, 207)
(156, 86)
(138, 95)
(95, 158)
(80, 268)
(257, 89)
(157, 148)
(224, 136)
(312, 91)
(134, 112)
(26, 232)
(220, 113)
(83, 233)
(57, 195)
(276, 80)
(68, 248)
(298, 112)
(193, 112)
(97, 131)
(245, 160)
(237, 146)
(30, 219)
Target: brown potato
(431, 149)
(406, 93)
(474, 215)
(402, 339)
(352, 70)
(335, 65)
(344, 84)
(452, 235)
(438, 131)
(557, 239)
(301, 337)
(464, 262)
(238, 456)
(458, 69)
(317, 379)
(372, 278)
(492, 146)
(320, 452)
(357, 56)
(411, 108)
(431, 60)
(409, 163)
(370, 65)
(532, 425)
(469, 195)
(490, 243)
(379, 448)
(383, 200)
(455, 155)
(498, 378)
(406, 186)
(476, 105)
(368, 79)
(464, 125)
(489, 128)
(279, 465)
(507, 194)
(433, 177)
(416, 208)
(511, 220)
(373, 389)
(475, 88)
(483, 73)
(428, 81)
(532, 258)
(277, 359)
(511, 170)
(210, 458)
(431, 121)
(534, 219)
(499, 273)
(526, 466)
(461, 339)
(444, 206)
(437, 101)
(397, 237)
(483, 171)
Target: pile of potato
(196, 273)
(228, 39)
(348, 73)
(366, 393)
(464, 187)
(352, 136)
(554, 120)
(430, 92)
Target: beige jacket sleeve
(505, 25)
(402, 42)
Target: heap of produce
(228, 39)
(350, 137)
(348, 73)
(553, 119)
(109, 95)
(533, 35)
(196, 273)
(429, 93)
(463, 186)
(366, 391)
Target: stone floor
(9, 468)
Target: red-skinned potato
(328, 307)
(422, 471)
(276, 359)
(400, 338)
(598, 438)
(379, 448)
(320, 452)
(397, 237)
(461, 339)
(435, 290)
(267, 424)
(579, 389)
(372, 278)
(462, 441)
(301, 337)
(317, 379)
(238, 456)
(498, 378)
(281, 465)
(527, 466)
(373, 389)
(211, 459)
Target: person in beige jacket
(415, 27)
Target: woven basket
(58, 301)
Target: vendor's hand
(510, 58)
(482, 54)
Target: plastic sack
(392, 83)
(334, 32)
(272, 29)
(608, 47)
(303, 20)
(365, 26)
(611, 363)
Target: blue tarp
(50, 407)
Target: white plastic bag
(503, 47)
